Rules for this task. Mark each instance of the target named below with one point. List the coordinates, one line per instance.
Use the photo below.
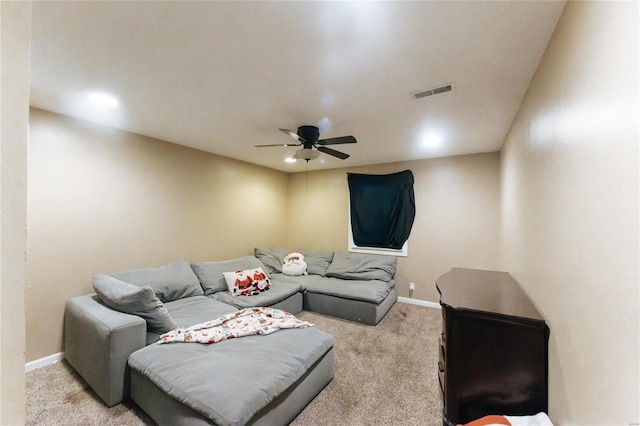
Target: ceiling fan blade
(337, 141)
(293, 135)
(338, 154)
(279, 144)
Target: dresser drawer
(441, 365)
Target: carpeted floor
(384, 375)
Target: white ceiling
(224, 76)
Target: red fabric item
(489, 420)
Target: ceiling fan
(307, 137)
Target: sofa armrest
(98, 341)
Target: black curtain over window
(382, 209)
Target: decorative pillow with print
(248, 282)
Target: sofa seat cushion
(276, 293)
(302, 280)
(193, 310)
(230, 381)
(374, 291)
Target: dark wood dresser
(493, 347)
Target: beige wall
(102, 200)
(15, 25)
(456, 224)
(570, 210)
(558, 208)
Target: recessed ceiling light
(103, 99)
(290, 160)
(325, 125)
(432, 140)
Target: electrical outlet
(412, 286)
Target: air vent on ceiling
(433, 91)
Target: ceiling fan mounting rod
(310, 134)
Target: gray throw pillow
(172, 281)
(135, 300)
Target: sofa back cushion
(135, 300)
(272, 259)
(211, 275)
(350, 266)
(317, 261)
(172, 281)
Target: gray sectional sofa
(110, 336)
(352, 286)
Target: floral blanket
(247, 322)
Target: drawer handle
(440, 366)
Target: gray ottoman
(249, 380)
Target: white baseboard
(43, 362)
(419, 302)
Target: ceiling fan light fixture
(306, 154)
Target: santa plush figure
(260, 279)
(294, 264)
(243, 284)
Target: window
(381, 212)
